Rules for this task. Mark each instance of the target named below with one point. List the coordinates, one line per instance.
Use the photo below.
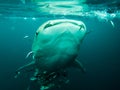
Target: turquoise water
(100, 51)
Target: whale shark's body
(55, 47)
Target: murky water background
(100, 50)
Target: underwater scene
(59, 44)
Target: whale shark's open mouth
(50, 24)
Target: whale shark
(55, 48)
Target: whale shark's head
(57, 40)
(56, 29)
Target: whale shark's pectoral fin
(26, 68)
(78, 64)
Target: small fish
(26, 36)
(29, 54)
(112, 23)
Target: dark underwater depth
(99, 53)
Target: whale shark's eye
(36, 33)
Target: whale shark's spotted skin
(55, 47)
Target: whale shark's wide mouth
(52, 23)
